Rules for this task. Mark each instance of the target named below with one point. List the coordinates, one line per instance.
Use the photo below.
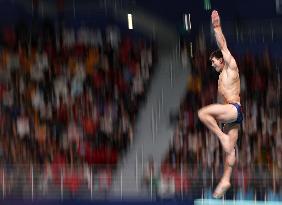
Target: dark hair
(217, 54)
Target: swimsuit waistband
(235, 103)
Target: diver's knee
(230, 150)
(202, 114)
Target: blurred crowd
(70, 98)
(195, 153)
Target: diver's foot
(221, 189)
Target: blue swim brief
(239, 113)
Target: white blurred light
(186, 22)
(130, 25)
(189, 18)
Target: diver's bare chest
(223, 80)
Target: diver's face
(217, 64)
